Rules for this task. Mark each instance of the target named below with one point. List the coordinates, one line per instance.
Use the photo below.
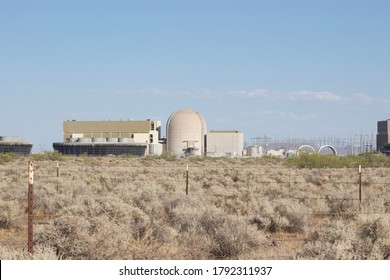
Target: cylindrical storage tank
(155, 149)
(98, 140)
(253, 151)
(186, 130)
(112, 140)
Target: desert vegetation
(137, 208)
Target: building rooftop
(224, 131)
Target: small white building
(225, 143)
(277, 153)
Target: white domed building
(186, 132)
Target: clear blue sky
(282, 68)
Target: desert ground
(137, 208)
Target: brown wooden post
(187, 181)
(58, 170)
(30, 205)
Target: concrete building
(110, 137)
(225, 143)
(383, 136)
(186, 130)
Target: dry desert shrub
(231, 236)
(280, 215)
(341, 239)
(106, 234)
(9, 214)
(220, 236)
(210, 233)
(136, 208)
(40, 253)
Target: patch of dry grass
(136, 208)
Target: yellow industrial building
(110, 137)
(112, 131)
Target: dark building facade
(383, 135)
(13, 145)
(101, 149)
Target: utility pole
(264, 140)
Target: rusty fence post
(360, 188)
(30, 205)
(187, 180)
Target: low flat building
(10, 144)
(110, 137)
(224, 143)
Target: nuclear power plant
(186, 136)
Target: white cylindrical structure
(186, 130)
(253, 151)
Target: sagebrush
(137, 208)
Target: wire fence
(199, 180)
(346, 192)
(256, 181)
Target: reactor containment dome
(186, 131)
